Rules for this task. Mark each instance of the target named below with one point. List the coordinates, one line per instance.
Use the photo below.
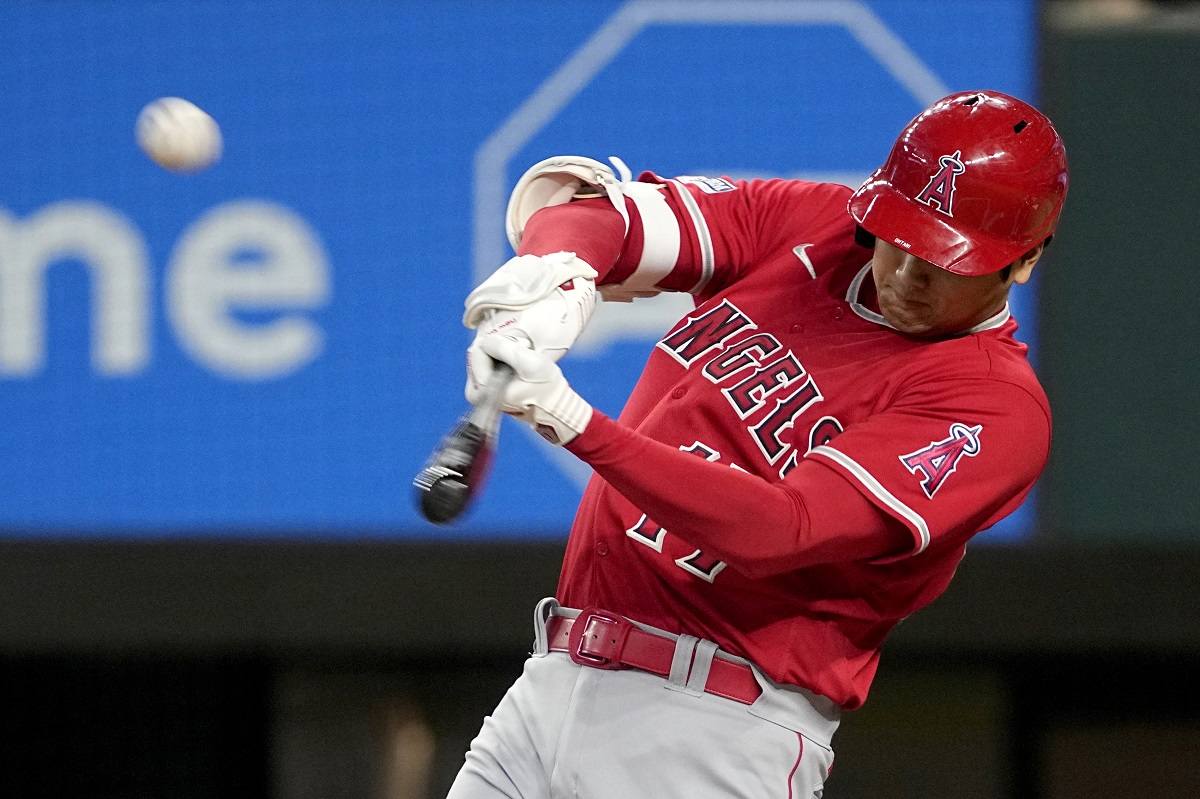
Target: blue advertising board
(271, 347)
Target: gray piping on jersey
(856, 306)
(993, 321)
(864, 312)
(875, 487)
(707, 260)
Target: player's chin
(909, 320)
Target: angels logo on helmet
(939, 191)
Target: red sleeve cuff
(594, 438)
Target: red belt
(605, 640)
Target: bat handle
(486, 413)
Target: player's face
(921, 299)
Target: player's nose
(914, 270)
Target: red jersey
(791, 476)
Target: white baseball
(177, 135)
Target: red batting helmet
(974, 182)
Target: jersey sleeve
(759, 527)
(947, 459)
(728, 227)
(690, 234)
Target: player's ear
(1022, 268)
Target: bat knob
(445, 498)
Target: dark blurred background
(212, 583)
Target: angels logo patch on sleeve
(937, 461)
(708, 185)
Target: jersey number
(646, 531)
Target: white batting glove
(542, 301)
(539, 395)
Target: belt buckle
(597, 639)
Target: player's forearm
(758, 527)
(592, 229)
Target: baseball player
(800, 465)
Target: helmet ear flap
(862, 238)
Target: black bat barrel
(444, 487)
(459, 465)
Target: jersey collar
(861, 310)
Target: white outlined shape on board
(490, 189)
(552, 96)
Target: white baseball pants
(566, 730)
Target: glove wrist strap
(563, 418)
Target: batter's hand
(539, 395)
(543, 302)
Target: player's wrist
(594, 437)
(563, 417)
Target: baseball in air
(178, 135)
